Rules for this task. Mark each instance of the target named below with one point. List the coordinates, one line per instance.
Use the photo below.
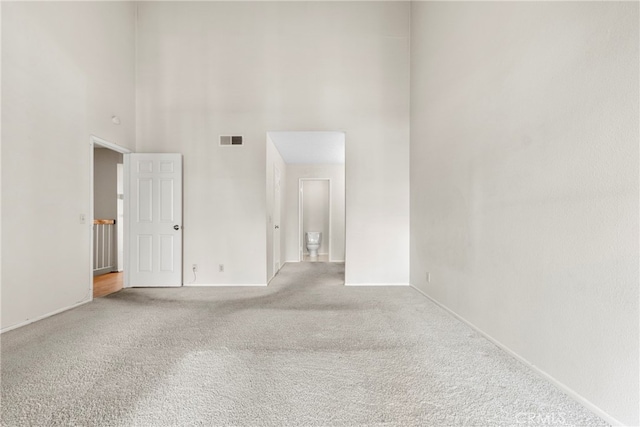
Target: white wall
(211, 68)
(105, 183)
(66, 69)
(315, 212)
(336, 173)
(524, 182)
(274, 160)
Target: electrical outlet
(221, 268)
(194, 267)
(428, 277)
(83, 218)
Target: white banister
(103, 244)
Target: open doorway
(314, 220)
(107, 202)
(299, 164)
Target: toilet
(313, 240)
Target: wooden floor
(107, 284)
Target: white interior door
(276, 220)
(120, 216)
(155, 219)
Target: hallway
(107, 284)
(304, 351)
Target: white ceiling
(309, 147)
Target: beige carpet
(304, 351)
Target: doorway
(314, 204)
(107, 214)
(293, 160)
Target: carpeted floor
(303, 351)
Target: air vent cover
(231, 140)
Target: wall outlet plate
(194, 267)
(221, 268)
(428, 277)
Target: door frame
(95, 141)
(301, 215)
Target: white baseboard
(44, 316)
(102, 271)
(377, 284)
(298, 261)
(575, 395)
(210, 285)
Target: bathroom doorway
(293, 159)
(314, 204)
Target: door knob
(176, 227)
(277, 227)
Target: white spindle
(103, 235)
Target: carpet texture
(303, 351)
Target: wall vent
(231, 140)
